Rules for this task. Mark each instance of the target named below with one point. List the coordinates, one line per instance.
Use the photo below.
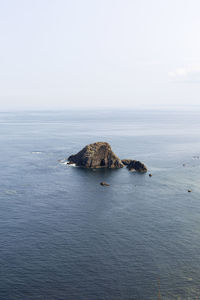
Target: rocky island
(100, 155)
(97, 155)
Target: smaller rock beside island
(134, 165)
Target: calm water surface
(63, 236)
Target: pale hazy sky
(95, 53)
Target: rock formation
(134, 165)
(126, 162)
(100, 155)
(104, 183)
(97, 155)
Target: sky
(63, 54)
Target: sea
(63, 236)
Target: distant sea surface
(65, 237)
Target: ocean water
(63, 236)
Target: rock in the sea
(97, 155)
(134, 165)
(104, 183)
(126, 162)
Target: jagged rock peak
(97, 155)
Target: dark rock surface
(134, 165)
(126, 162)
(97, 155)
(104, 183)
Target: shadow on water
(119, 177)
(96, 174)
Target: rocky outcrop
(100, 155)
(134, 165)
(97, 155)
(104, 183)
(126, 162)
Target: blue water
(63, 236)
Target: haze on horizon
(59, 54)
